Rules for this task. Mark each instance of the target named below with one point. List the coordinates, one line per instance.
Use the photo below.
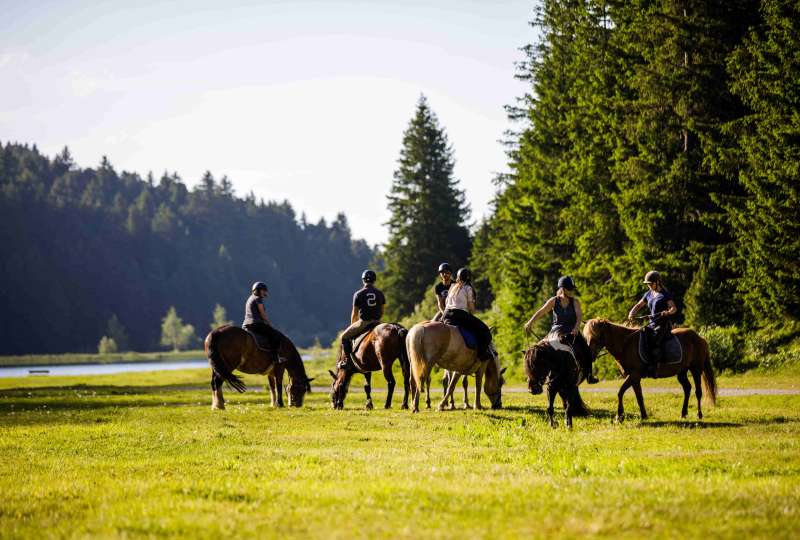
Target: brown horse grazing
(377, 351)
(230, 348)
(435, 343)
(623, 344)
(561, 373)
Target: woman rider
(441, 289)
(662, 307)
(255, 318)
(458, 309)
(566, 308)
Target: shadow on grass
(692, 424)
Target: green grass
(142, 455)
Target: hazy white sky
(291, 99)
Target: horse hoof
(216, 407)
(369, 406)
(683, 415)
(699, 416)
(619, 418)
(467, 406)
(404, 406)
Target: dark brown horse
(230, 348)
(376, 352)
(560, 373)
(623, 344)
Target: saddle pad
(554, 340)
(469, 338)
(261, 341)
(671, 350)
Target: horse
(230, 348)
(377, 351)
(562, 374)
(432, 343)
(623, 344)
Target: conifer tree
(428, 214)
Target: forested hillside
(81, 245)
(654, 135)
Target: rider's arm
(263, 313)
(546, 308)
(354, 315)
(439, 300)
(578, 317)
(673, 309)
(635, 309)
(471, 300)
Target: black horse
(561, 373)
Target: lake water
(105, 369)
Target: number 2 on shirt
(372, 300)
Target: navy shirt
(657, 301)
(564, 318)
(369, 301)
(441, 290)
(251, 312)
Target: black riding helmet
(444, 267)
(464, 275)
(368, 276)
(259, 285)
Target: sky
(297, 100)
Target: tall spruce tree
(765, 70)
(428, 214)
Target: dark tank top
(564, 318)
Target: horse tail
(416, 354)
(709, 380)
(218, 364)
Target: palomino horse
(448, 375)
(561, 373)
(377, 351)
(231, 348)
(435, 343)
(623, 344)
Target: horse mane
(593, 326)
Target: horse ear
(333, 376)
(503, 370)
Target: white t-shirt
(459, 297)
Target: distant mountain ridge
(83, 244)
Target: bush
(727, 347)
(107, 345)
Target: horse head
(494, 381)
(537, 366)
(594, 332)
(341, 380)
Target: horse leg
(637, 389)
(368, 388)
(277, 373)
(217, 401)
(622, 389)
(687, 389)
(698, 391)
(273, 395)
(551, 396)
(465, 384)
(445, 386)
(428, 388)
(478, 385)
(452, 380)
(406, 376)
(567, 412)
(390, 383)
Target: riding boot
(591, 379)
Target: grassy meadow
(142, 455)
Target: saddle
(358, 340)
(671, 350)
(261, 341)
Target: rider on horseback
(256, 321)
(662, 307)
(441, 289)
(459, 306)
(368, 306)
(566, 308)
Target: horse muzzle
(535, 389)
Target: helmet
(464, 274)
(652, 277)
(565, 282)
(444, 267)
(259, 285)
(368, 276)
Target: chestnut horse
(230, 348)
(377, 351)
(435, 343)
(623, 344)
